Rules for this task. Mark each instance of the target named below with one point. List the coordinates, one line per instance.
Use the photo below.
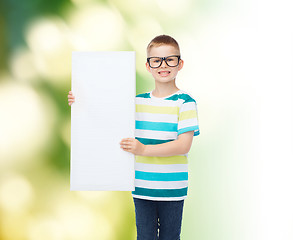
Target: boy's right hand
(70, 98)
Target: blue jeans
(158, 219)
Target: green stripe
(156, 109)
(187, 115)
(177, 159)
(160, 192)
(147, 141)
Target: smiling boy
(166, 121)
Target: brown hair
(163, 40)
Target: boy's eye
(170, 59)
(157, 60)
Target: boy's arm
(179, 146)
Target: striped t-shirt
(160, 120)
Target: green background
(238, 67)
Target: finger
(126, 146)
(127, 149)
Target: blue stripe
(144, 95)
(157, 126)
(149, 141)
(174, 97)
(182, 96)
(187, 129)
(160, 192)
(152, 176)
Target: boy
(166, 121)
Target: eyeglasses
(171, 61)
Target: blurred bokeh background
(238, 66)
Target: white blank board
(103, 113)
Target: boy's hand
(132, 145)
(70, 98)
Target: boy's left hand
(132, 145)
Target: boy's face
(164, 73)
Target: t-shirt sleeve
(188, 119)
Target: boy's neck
(164, 89)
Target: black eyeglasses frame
(164, 59)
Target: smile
(164, 73)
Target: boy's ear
(181, 63)
(147, 66)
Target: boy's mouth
(164, 73)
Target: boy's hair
(163, 40)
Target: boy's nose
(164, 64)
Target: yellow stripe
(178, 159)
(157, 109)
(187, 115)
